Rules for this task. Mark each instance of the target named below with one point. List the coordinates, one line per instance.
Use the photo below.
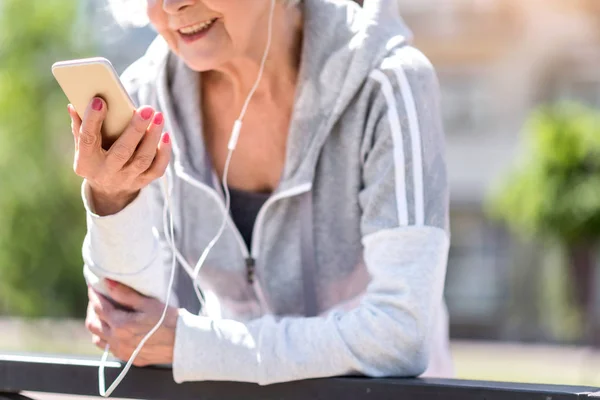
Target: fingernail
(97, 104)
(111, 283)
(147, 113)
(166, 138)
(158, 119)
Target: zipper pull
(250, 267)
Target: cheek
(156, 15)
(159, 20)
(241, 18)
(241, 29)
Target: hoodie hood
(343, 43)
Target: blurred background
(521, 101)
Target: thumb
(125, 296)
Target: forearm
(388, 334)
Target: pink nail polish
(97, 104)
(158, 119)
(147, 113)
(111, 284)
(166, 138)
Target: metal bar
(13, 396)
(78, 376)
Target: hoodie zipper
(258, 224)
(250, 256)
(215, 195)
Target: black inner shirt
(245, 207)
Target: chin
(205, 53)
(202, 63)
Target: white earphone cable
(237, 127)
(101, 383)
(171, 237)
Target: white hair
(129, 12)
(133, 12)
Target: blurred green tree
(554, 193)
(41, 217)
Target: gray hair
(133, 12)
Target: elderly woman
(333, 258)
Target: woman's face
(208, 33)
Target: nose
(175, 6)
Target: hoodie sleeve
(135, 254)
(129, 246)
(404, 227)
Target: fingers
(90, 137)
(124, 353)
(126, 296)
(89, 152)
(123, 149)
(146, 151)
(100, 330)
(161, 161)
(101, 306)
(116, 328)
(123, 330)
(98, 342)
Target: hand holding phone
(82, 80)
(140, 152)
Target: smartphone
(82, 80)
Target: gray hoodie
(349, 252)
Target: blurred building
(496, 59)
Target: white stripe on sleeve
(394, 120)
(415, 140)
(415, 137)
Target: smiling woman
(333, 253)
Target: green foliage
(41, 217)
(554, 192)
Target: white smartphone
(82, 80)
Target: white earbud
(168, 211)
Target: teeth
(190, 30)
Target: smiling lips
(195, 30)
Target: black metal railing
(79, 376)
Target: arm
(405, 242)
(128, 247)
